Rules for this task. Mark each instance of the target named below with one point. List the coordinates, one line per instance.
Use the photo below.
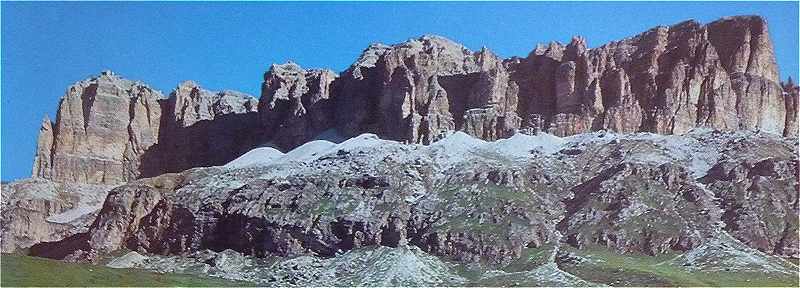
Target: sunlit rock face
(419, 89)
(667, 80)
(111, 130)
(103, 127)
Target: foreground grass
(641, 270)
(18, 270)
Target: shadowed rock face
(202, 128)
(192, 104)
(666, 80)
(295, 104)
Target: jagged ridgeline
(667, 80)
(425, 163)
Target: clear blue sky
(48, 46)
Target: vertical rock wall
(667, 80)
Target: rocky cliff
(203, 128)
(39, 210)
(103, 127)
(667, 80)
(419, 89)
(111, 130)
(295, 104)
(642, 193)
(791, 92)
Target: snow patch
(75, 213)
(459, 146)
(362, 141)
(90, 200)
(601, 137)
(256, 156)
(522, 145)
(308, 152)
(697, 154)
(454, 148)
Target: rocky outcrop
(203, 128)
(759, 201)
(667, 80)
(606, 208)
(759, 195)
(192, 104)
(295, 104)
(111, 130)
(417, 90)
(640, 193)
(745, 51)
(39, 210)
(44, 146)
(103, 127)
(791, 92)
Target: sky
(48, 46)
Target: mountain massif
(667, 80)
(462, 167)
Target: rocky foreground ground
(461, 211)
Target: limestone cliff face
(203, 128)
(419, 89)
(667, 80)
(790, 94)
(295, 104)
(111, 130)
(104, 125)
(192, 103)
(44, 146)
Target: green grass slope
(23, 271)
(606, 267)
